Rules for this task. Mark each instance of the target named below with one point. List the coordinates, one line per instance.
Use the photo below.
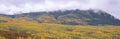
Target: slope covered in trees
(71, 17)
(52, 25)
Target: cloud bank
(19, 6)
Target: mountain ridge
(71, 17)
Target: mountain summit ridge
(72, 17)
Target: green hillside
(69, 17)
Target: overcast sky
(17, 6)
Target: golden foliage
(57, 31)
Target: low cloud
(18, 6)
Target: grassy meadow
(58, 31)
(15, 29)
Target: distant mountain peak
(72, 17)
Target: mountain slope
(72, 17)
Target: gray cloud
(16, 6)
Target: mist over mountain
(69, 17)
(59, 19)
(24, 6)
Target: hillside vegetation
(69, 17)
(15, 29)
(69, 24)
